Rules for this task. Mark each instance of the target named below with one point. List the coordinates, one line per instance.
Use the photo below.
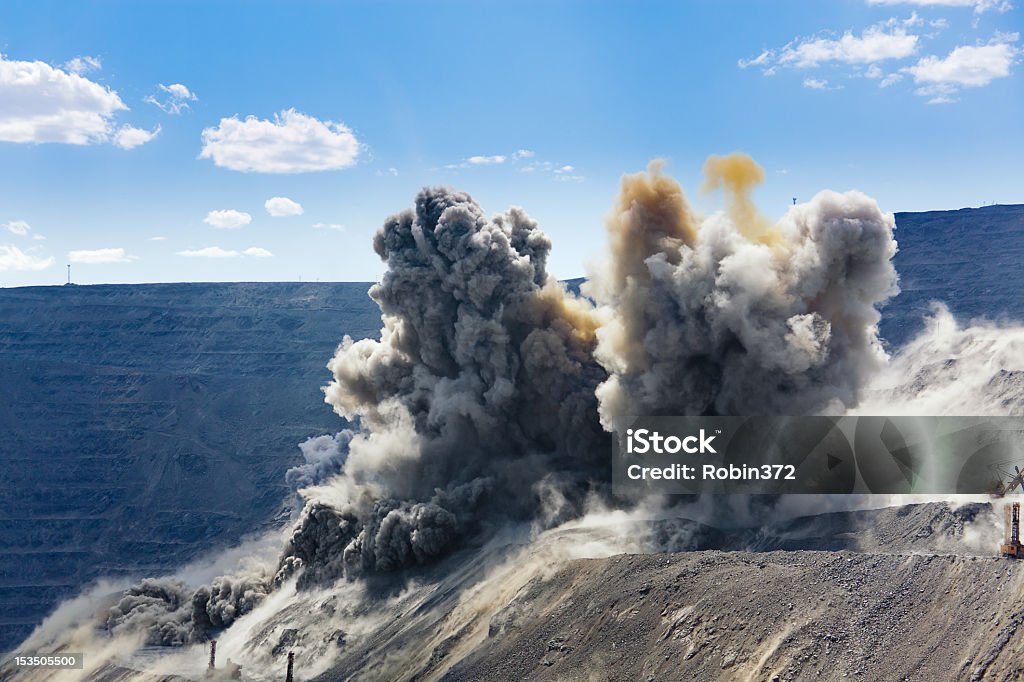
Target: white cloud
(227, 219)
(815, 84)
(913, 20)
(40, 103)
(83, 64)
(760, 60)
(290, 143)
(178, 91)
(338, 227)
(129, 137)
(881, 42)
(158, 239)
(567, 174)
(22, 229)
(875, 44)
(13, 258)
(486, 160)
(18, 227)
(176, 101)
(282, 206)
(497, 159)
(209, 252)
(218, 252)
(393, 172)
(99, 256)
(978, 5)
(966, 66)
(560, 172)
(873, 72)
(891, 79)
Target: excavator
(1013, 480)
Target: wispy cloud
(492, 159)
(18, 227)
(83, 64)
(338, 227)
(881, 42)
(567, 174)
(209, 252)
(819, 84)
(890, 80)
(486, 160)
(13, 258)
(557, 171)
(218, 252)
(100, 256)
(176, 98)
(979, 6)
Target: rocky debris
(904, 593)
(777, 615)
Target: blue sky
(346, 109)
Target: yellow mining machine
(1006, 481)
(1011, 547)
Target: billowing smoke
(482, 402)
(171, 614)
(952, 369)
(477, 400)
(325, 457)
(732, 315)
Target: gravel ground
(904, 593)
(716, 615)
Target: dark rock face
(969, 259)
(141, 425)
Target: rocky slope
(144, 424)
(921, 598)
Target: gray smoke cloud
(481, 403)
(324, 457)
(732, 315)
(476, 400)
(172, 614)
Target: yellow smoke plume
(737, 175)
